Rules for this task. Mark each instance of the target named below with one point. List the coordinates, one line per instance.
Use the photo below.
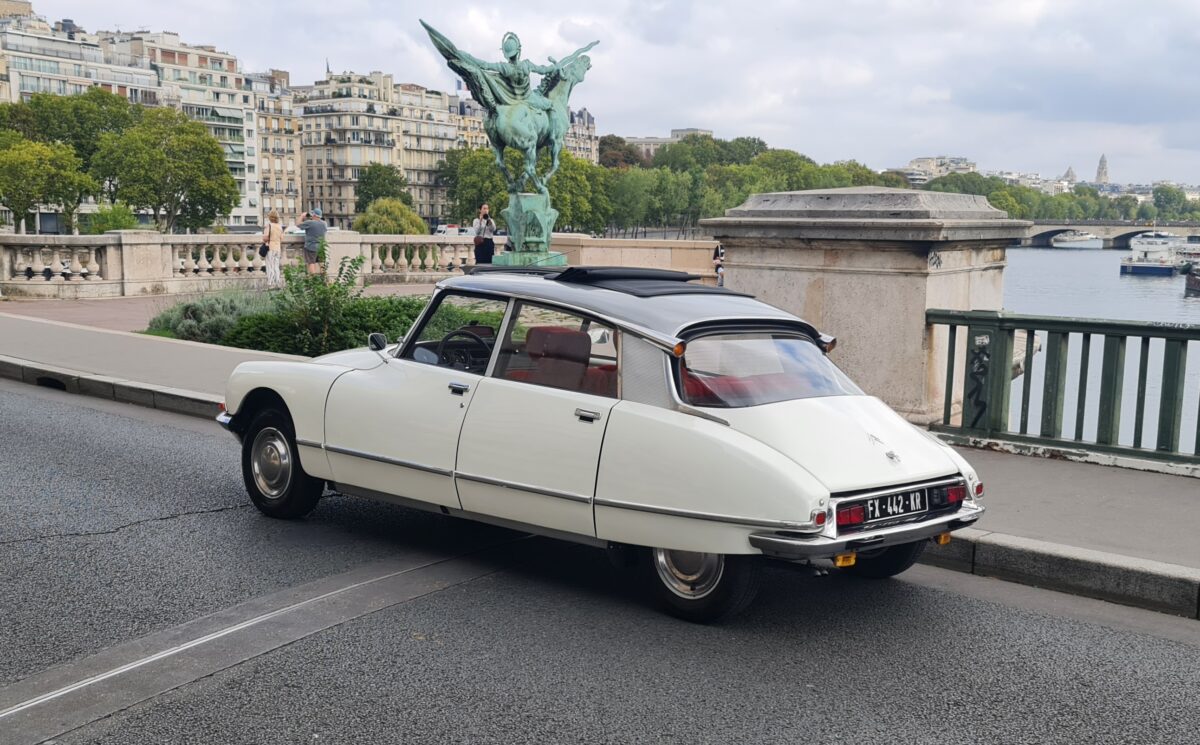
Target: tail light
(851, 514)
(947, 496)
(978, 488)
(818, 517)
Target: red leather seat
(601, 381)
(560, 356)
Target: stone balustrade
(147, 263)
(138, 262)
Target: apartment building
(581, 140)
(39, 59)
(429, 126)
(648, 146)
(469, 120)
(208, 86)
(348, 122)
(280, 180)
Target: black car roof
(657, 303)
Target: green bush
(208, 319)
(115, 216)
(276, 332)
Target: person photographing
(314, 228)
(485, 230)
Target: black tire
(888, 562)
(734, 587)
(279, 487)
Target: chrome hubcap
(271, 463)
(689, 574)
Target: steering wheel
(462, 357)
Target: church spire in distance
(1102, 170)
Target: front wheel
(888, 562)
(701, 587)
(277, 484)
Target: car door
(394, 429)
(530, 445)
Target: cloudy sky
(1030, 85)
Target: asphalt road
(120, 525)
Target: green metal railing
(1071, 383)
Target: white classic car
(692, 428)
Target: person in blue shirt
(314, 230)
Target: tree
(116, 216)
(68, 186)
(615, 152)
(741, 150)
(77, 121)
(1147, 211)
(966, 183)
(1002, 200)
(381, 181)
(894, 179)
(630, 196)
(479, 182)
(447, 176)
(390, 216)
(25, 171)
(170, 166)
(1171, 201)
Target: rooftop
(639, 303)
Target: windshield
(734, 370)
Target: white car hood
(844, 440)
(358, 359)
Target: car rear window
(749, 369)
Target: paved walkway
(1123, 512)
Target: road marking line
(122, 669)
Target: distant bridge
(1114, 233)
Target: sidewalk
(1102, 531)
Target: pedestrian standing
(719, 264)
(273, 239)
(314, 230)
(485, 230)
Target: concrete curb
(1153, 585)
(177, 400)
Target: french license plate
(891, 506)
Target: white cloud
(1015, 84)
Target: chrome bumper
(801, 548)
(225, 419)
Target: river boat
(1153, 253)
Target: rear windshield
(733, 370)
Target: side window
(460, 334)
(559, 350)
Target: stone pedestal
(530, 220)
(864, 264)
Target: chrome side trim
(524, 487)
(309, 444)
(390, 461)
(800, 527)
(587, 540)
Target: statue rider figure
(515, 71)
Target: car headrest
(556, 342)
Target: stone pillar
(864, 264)
(349, 244)
(144, 267)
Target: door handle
(459, 388)
(587, 416)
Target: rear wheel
(888, 562)
(701, 587)
(277, 484)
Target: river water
(1082, 281)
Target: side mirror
(377, 342)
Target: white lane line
(38, 700)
